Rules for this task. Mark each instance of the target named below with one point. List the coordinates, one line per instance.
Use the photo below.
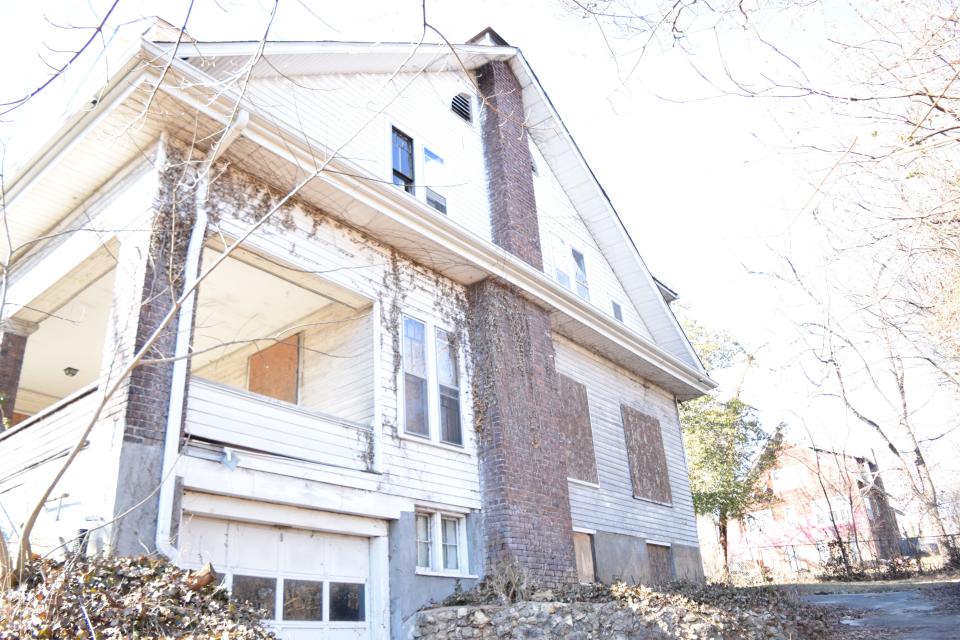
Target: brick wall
(513, 208)
(150, 276)
(12, 348)
(526, 505)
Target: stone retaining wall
(577, 621)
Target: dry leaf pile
(718, 611)
(123, 598)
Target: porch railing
(232, 417)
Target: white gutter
(178, 383)
(74, 129)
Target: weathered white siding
(411, 468)
(222, 414)
(611, 506)
(559, 219)
(33, 452)
(354, 114)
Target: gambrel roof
(199, 97)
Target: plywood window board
(646, 456)
(577, 431)
(275, 370)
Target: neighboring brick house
(441, 356)
(821, 499)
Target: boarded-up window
(645, 454)
(575, 419)
(583, 546)
(274, 371)
(661, 569)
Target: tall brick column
(513, 207)
(150, 276)
(13, 346)
(526, 504)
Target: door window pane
(451, 538)
(347, 602)
(302, 600)
(423, 540)
(258, 591)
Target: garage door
(312, 585)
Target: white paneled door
(312, 585)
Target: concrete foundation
(410, 591)
(620, 557)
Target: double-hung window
(403, 160)
(410, 158)
(441, 542)
(415, 390)
(431, 383)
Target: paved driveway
(914, 614)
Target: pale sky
(704, 185)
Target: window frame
(434, 435)
(579, 266)
(402, 386)
(279, 614)
(436, 568)
(409, 183)
(420, 146)
(617, 310)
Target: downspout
(178, 382)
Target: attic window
(461, 106)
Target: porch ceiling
(240, 303)
(71, 336)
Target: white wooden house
(422, 343)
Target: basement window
(441, 543)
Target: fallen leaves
(142, 598)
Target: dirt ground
(905, 611)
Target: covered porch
(282, 360)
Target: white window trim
(583, 483)
(436, 544)
(433, 391)
(419, 187)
